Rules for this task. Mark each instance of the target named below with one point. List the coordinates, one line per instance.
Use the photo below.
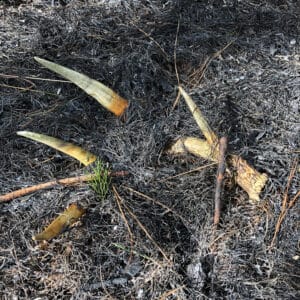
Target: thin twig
(187, 172)
(151, 38)
(175, 54)
(286, 204)
(293, 201)
(26, 89)
(119, 246)
(166, 294)
(33, 78)
(220, 177)
(65, 181)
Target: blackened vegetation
(249, 93)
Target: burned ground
(250, 93)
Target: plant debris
(71, 215)
(247, 177)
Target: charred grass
(250, 93)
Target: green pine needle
(101, 179)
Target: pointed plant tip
(180, 89)
(22, 133)
(104, 95)
(38, 59)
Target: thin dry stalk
(27, 89)
(293, 201)
(197, 76)
(151, 38)
(148, 235)
(65, 181)
(176, 100)
(187, 172)
(175, 54)
(167, 208)
(119, 246)
(220, 178)
(118, 200)
(286, 204)
(175, 66)
(32, 78)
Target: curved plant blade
(199, 118)
(84, 156)
(104, 95)
(61, 223)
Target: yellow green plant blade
(104, 95)
(62, 222)
(199, 118)
(84, 156)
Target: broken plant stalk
(286, 202)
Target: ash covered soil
(250, 93)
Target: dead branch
(65, 181)
(220, 177)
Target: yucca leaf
(199, 118)
(104, 95)
(84, 156)
(71, 214)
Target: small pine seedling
(101, 179)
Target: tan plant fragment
(247, 177)
(195, 146)
(104, 95)
(62, 222)
(84, 156)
